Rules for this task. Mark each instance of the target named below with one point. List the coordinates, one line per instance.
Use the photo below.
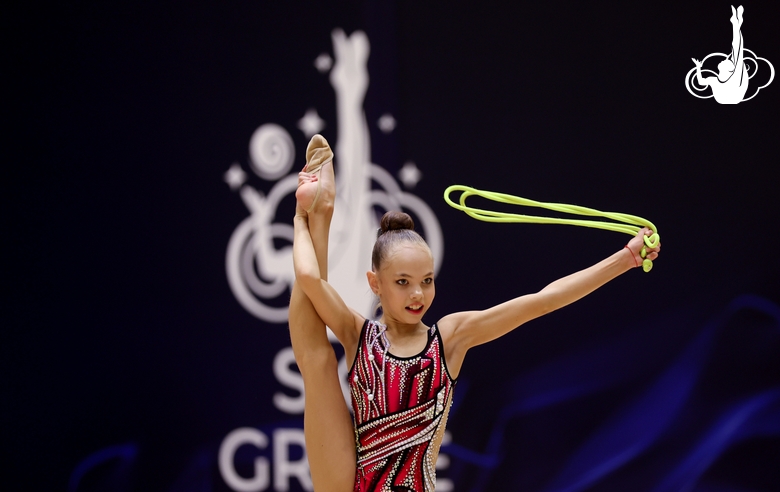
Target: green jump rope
(629, 224)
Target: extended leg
(736, 35)
(738, 45)
(330, 441)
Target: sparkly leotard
(401, 406)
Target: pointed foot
(316, 183)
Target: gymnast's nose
(416, 292)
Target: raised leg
(330, 438)
(736, 34)
(738, 45)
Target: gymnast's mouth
(415, 308)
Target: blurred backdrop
(151, 150)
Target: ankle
(323, 208)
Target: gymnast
(731, 84)
(402, 371)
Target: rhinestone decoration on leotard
(400, 407)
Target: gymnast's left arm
(701, 80)
(471, 328)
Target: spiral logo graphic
(257, 271)
(271, 151)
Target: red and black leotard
(401, 406)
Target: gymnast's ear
(373, 282)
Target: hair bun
(394, 221)
(401, 229)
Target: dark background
(118, 324)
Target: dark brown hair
(394, 228)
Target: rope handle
(628, 224)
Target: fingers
(304, 178)
(645, 231)
(651, 253)
(657, 249)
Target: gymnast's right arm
(327, 302)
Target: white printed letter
(227, 451)
(283, 467)
(290, 378)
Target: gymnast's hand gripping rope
(631, 224)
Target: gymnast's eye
(402, 281)
(428, 281)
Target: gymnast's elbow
(307, 278)
(545, 308)
(547, 301)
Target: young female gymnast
(400, 383)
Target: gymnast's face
(404, 283)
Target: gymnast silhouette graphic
(735, 70)
(731, 84)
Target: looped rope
(628, 224)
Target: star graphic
(235, 176)
(311, 123)
(410, 175)
(386, 123)
(323, 62)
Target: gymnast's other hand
(636, 245)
